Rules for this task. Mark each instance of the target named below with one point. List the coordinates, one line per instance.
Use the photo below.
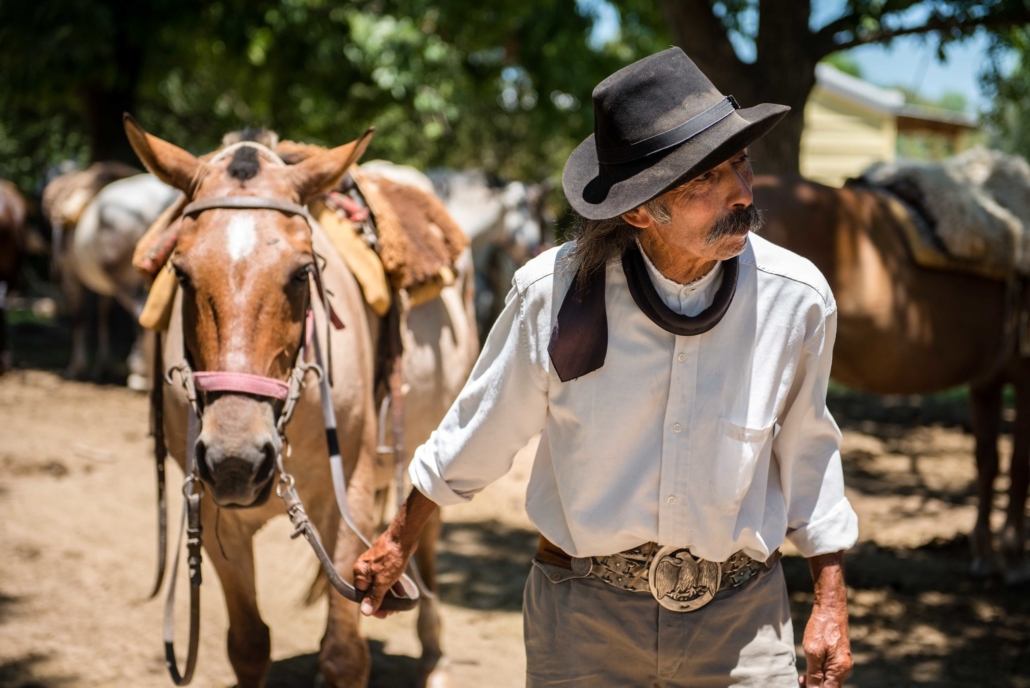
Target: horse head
(244, 274)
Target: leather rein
(404, 595)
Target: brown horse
(240, 308)
(904, 329)
(12, 251)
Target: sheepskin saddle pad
(973, 210)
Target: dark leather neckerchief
(579, 339)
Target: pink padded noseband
(243, 383)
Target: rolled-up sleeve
(820, 519)
(502, 406)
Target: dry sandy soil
(77, 556)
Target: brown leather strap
(551, 554)
(243, 202)
(157, 429)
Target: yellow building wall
(840, 140)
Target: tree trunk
(784, 71)
(104, 100)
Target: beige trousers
(584, 633)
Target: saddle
(394, 237)
(66, 197)
(970, 213)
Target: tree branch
(825, 36)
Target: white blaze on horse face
(241, 236)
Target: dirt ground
(77, 557)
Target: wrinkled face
(244, 276)
(709, 216)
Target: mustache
(736, 223)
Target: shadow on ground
(919, 619)
(388, 671)
(24, 672)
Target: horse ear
(168, 162)
(323, 171)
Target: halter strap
(244, 203)
(242, 383)
(263, 150)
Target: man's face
(710, 215)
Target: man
(676, 366)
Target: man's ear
(168, 162)
(638, 217)
(323, 171)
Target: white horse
(99, 258)
(505, 223)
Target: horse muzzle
(236, 452)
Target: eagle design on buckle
(682, 582)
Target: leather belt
(672, 575)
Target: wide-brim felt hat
(658, 123)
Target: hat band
(671, 137)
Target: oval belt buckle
(682, 582)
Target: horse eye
(301, 276)
(181, 276)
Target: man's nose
(739, 193)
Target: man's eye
(703, 177)
(742, 159)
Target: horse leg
(100, 364)
(432, 670)
(142, 349)
(344, 658)
(75, 295)
(249, 641)
(1013, 535)
(985, 402)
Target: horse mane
(244, 164)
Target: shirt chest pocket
(737, 450)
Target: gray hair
(600, 242)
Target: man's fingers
(362, 575)
(374, 598)
(815, 673)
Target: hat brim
(619, 189)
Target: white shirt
(718, 442)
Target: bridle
(288, 392)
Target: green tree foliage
(1009, 115)
(503, 86)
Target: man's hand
(826, 643)
(377, 570)
(382, 565)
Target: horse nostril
(268, 465)
(200, 456)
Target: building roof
(888, 101)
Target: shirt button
(677, 427)
(681, 358)
(671, 499)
